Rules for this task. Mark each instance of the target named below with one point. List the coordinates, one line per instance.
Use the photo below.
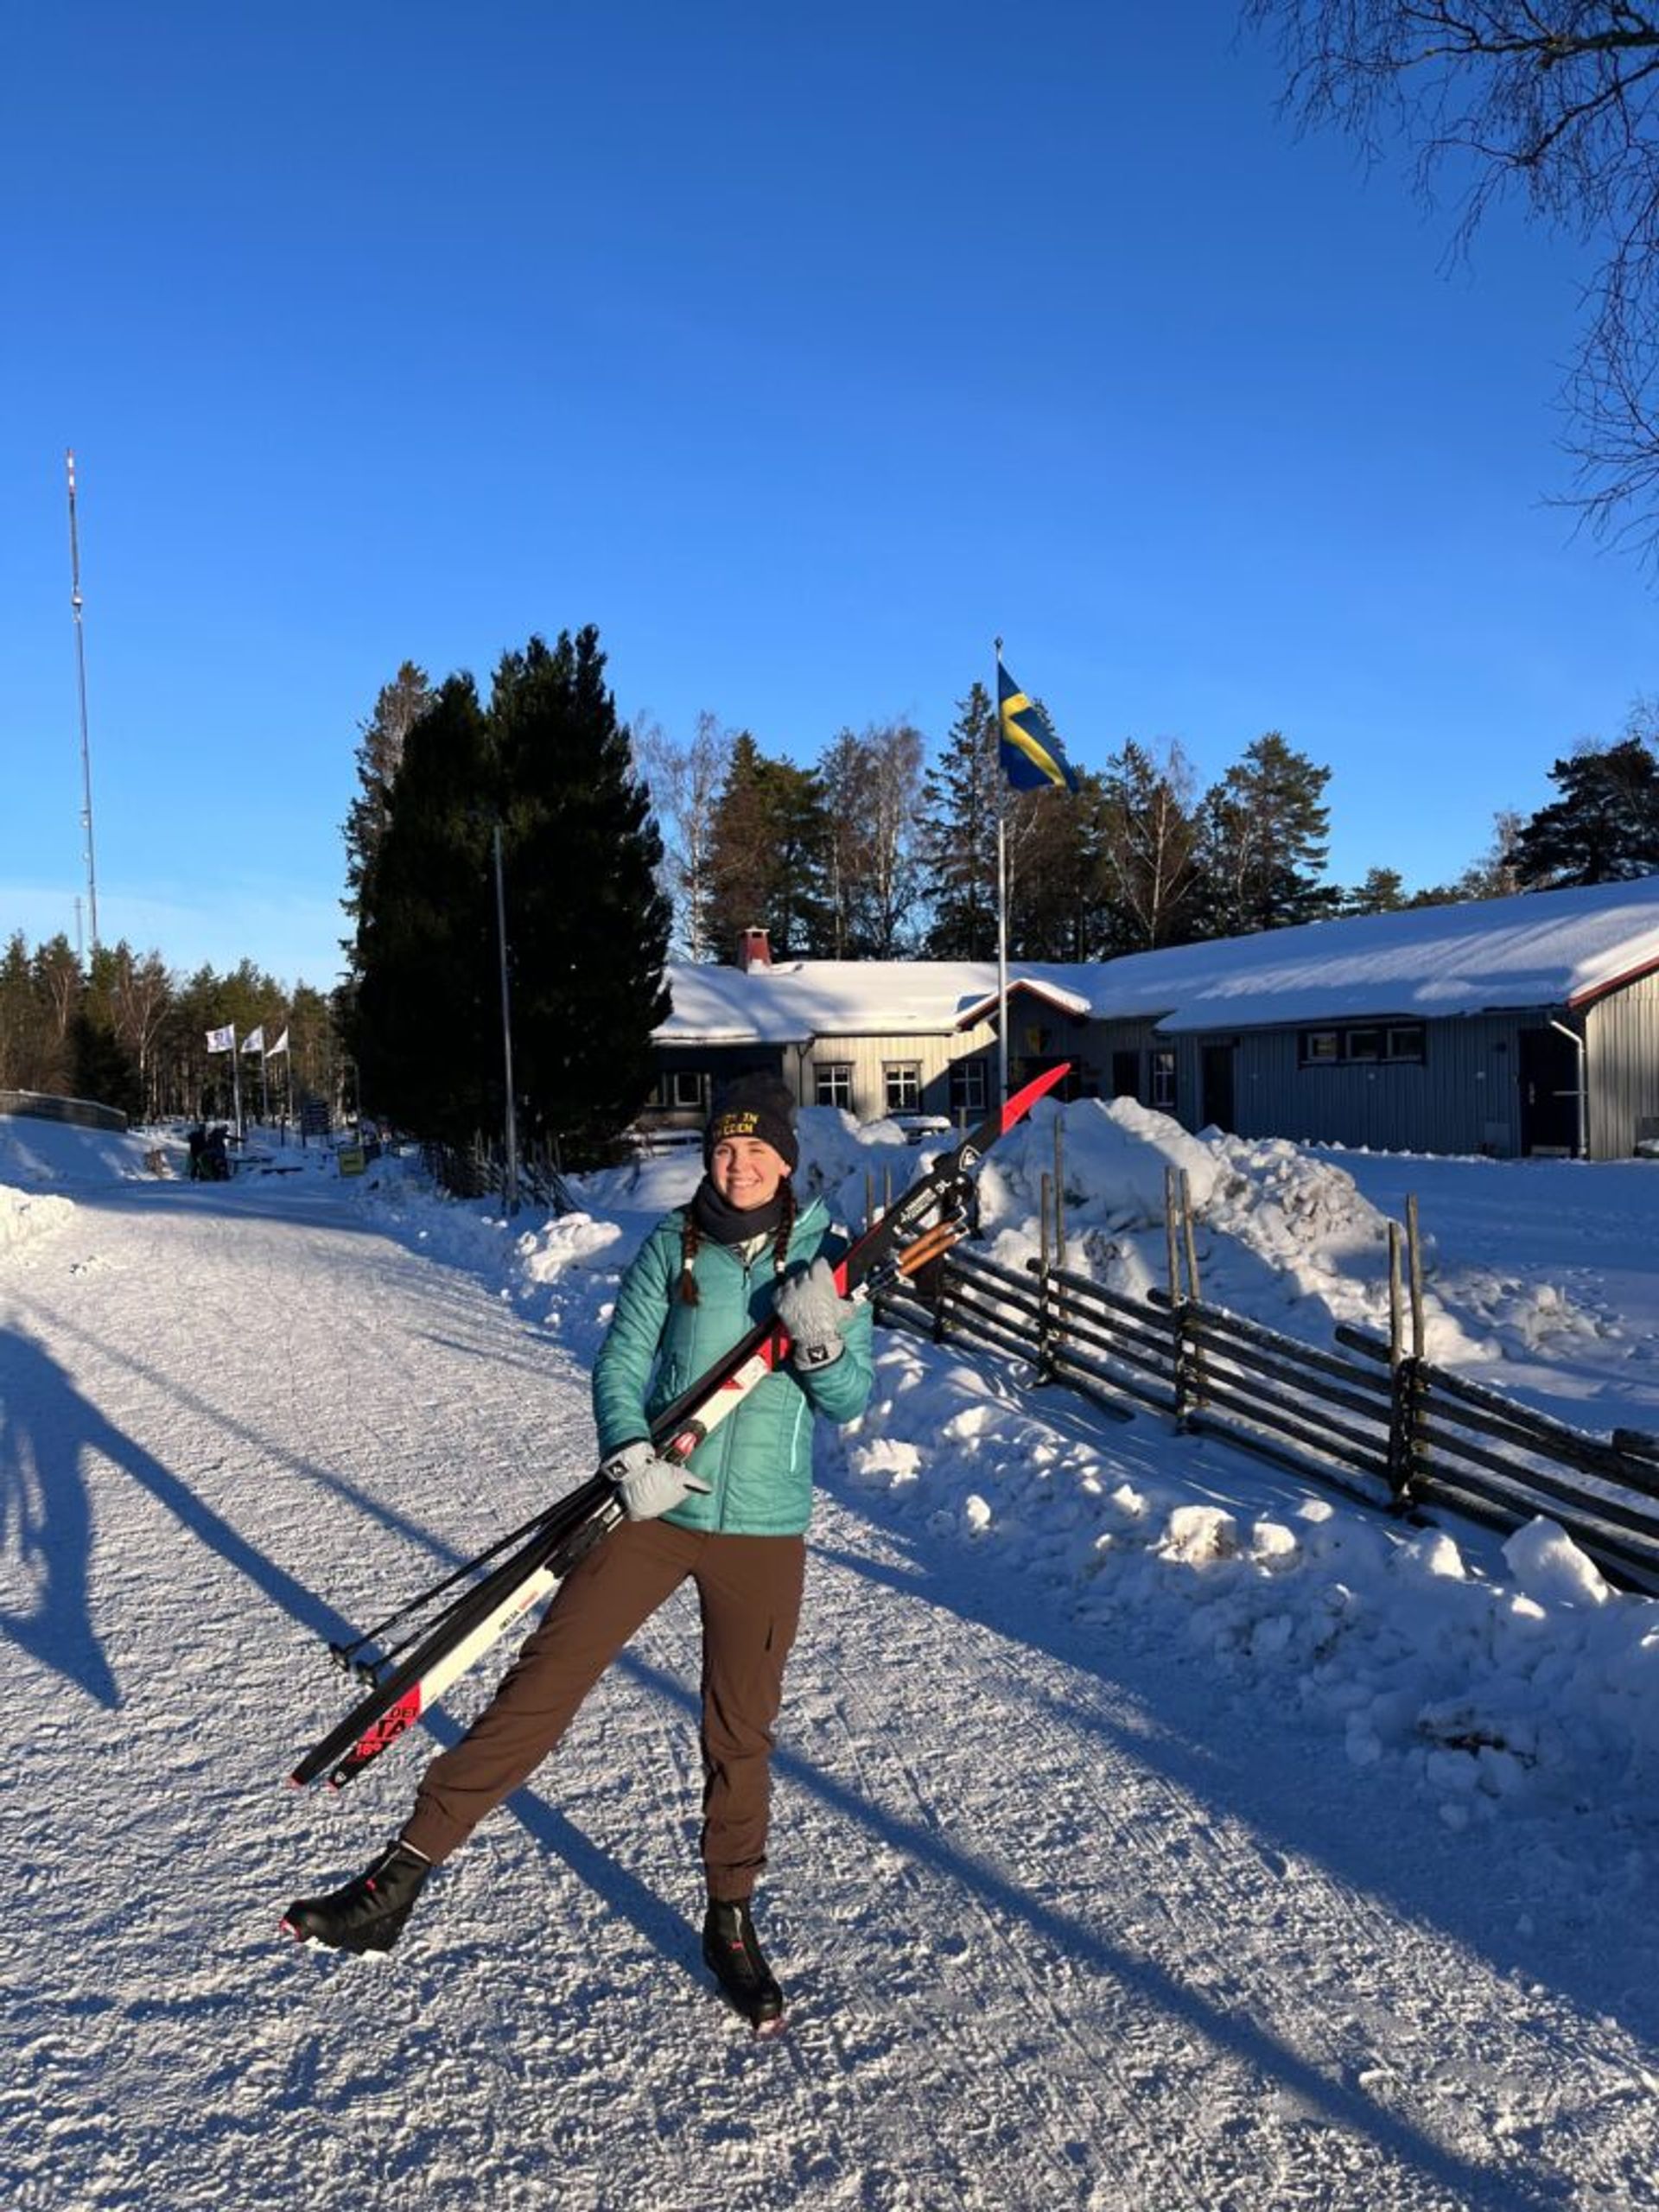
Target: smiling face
(747, 1171)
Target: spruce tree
(960, 797)
(23, 1020)
(587, 924)
(424, 1028)
(379, 754)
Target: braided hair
(692, 1240)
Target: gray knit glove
(648, 1485)
(814, 1313)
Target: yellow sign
(351, 1160)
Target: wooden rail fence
(1376, 1419)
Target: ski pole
(346, 1653)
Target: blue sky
(803, 356)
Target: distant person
(732, 1519)
(196, 1141)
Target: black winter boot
(369, 1912)
(732, 1952)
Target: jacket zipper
(727, 1429)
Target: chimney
(753, 949)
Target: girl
(732, 1519)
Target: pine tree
(1381, 891)
(1053, 859)
(1604, 828)
(1263, 846)
(767, 856)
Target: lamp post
(512, 1193)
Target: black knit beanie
(753, 1106)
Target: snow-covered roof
(797, 999)
(1554, 947)
(1550, 948)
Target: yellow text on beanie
(754, 1106)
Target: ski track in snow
(1067, 1919)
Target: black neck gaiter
(725, 1223)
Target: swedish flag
(1030, 752)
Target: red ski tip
(1039, 1086)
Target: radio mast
(80, 670)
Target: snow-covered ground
(1153, 1831)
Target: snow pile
(25, 1216)
(34, 1151)
(1517, 1678)
(573, 1240)
(1278, 1232)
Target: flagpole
(1001, 912)
(81, 672)
(236, 1080)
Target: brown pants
(750, 1590)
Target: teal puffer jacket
(759, 1462)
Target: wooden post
(1044, 1287)
(1416, 1366)
(1059, 1191)
(1414, 1262)
(1399, 1380)
(1176, 1324)
(1191, 1242)
(1174, 1285)
(1397, 1295)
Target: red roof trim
(1613, 983)
(1048, 993)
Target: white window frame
(832, 1084)
(967, 1089)
(904, 1077)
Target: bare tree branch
(1557, 100)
